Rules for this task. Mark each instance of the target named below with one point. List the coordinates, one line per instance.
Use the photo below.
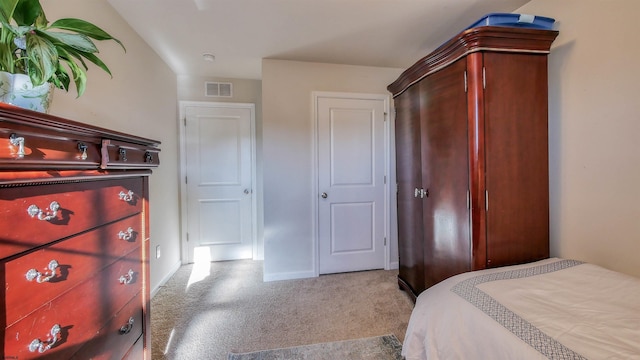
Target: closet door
(517, 169)
(445, 173)
(408, 175)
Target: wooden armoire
(472, 155)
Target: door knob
(324, 195)
(246, 191)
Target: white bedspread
(554, 308)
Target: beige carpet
(226, 307)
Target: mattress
(554, 308)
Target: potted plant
(46, 55)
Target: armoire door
(445, 174)
(409, 197)
(516, 153)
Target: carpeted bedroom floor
(207, 310)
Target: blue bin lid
(515, 20)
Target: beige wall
(140, 99)
(287, 88)
(191, 88)
(594, 127)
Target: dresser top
(33, 141)
(19, 117)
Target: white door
(219, 182)
(351, 175)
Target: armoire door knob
(421, 192)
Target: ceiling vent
(218, 89)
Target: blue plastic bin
(515, 20)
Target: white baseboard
(307, 274)
(289, 276)
(164, 280)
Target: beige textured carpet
(226, 307)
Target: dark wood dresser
(472, 155)
(74, 239)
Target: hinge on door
(486, 200)
(468, 200)
(184, 120)
(185, 180)
(385, 179)
(187, 237)
(385, 241)
(465, 81)
(484, 78)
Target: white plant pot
(16, 89)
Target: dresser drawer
(37, 277)
(114, 340)
(78, 314)
(137, 351)
(118, 154)
(33, 148)
(28, 215)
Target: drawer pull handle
(40, 277)
(19, 142)
(42, 346)
(148, 157)
(83, 149)
(126, 235)
(126, 328)
(126, 278)
(123, 154)
(128, 196)
(34, 211)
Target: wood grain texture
(484, 154)
(100, 197)
(445, 173)
(517, 167)
(83, 206)
(408, 176)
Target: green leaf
(85, 28)
(7, 7)
(78, 74)
(21, 30)
(43, 58)
(77, 41)
(27, 11)
(61, 77)
(68, 54)
(94, 59)
(79, 77)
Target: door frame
(184, 243)
(315, 95)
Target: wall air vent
(218, 89)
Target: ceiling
(240, 33)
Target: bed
(554, 308)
